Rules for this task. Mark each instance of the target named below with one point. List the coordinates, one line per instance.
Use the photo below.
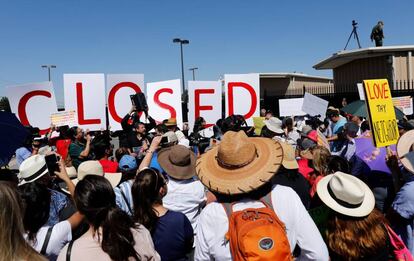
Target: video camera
(139, 101)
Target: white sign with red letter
(204, 101)
(164, 101)
(33, 103)
(243, 95)
(85, 93)
(119, 87)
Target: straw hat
(346, 194)
(171, 122)
(405, 150)
(239, 164)
(289, 158)
(32, 169)
(274, 124)
(178, 161)
(93, 167)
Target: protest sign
(63, 118)
(119, 87)
(258, 123)
(381, 112)
(85, 93)
(291, 107)
(361, 94)
(164, 100)
(33, 103)
(204, 101)
(242, 92)
(405, 104)
(314, 106)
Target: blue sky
(102, 36)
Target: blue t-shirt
(154, 162)
(173, 236)
(404, 205)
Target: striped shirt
(124, 201)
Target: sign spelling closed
(381, 112)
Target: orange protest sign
(381, 112)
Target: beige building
(292, 84)
(350, 67)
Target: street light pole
(181, 42)
(193, 70)
(48, 69)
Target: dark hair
(364, 126)
(332, 113)
(145, 193)
(336, 163)
(72, 132)
(198, 124)
(267, 133)
(289, 124)
(36, 199)
(99, 149)
(120, 152)
(161, 128)
(95, 198)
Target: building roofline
(346, 56)
(288, 75)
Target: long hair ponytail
(145, 193)
(95, 198)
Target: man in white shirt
(239, 169)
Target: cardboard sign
(33, 103)
(242, 92)
(314, 105)
(85, 93)
(381, 112)
(119, 87)
(404, 103)
(291, 107)
(164, 100)
(63, 118)
(204, 101)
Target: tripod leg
(349, 38)
(356, 36)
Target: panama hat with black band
(405, 150)
(32, 168)
(346, 194)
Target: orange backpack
(257, 233)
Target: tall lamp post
(193, 70)
(49, 66)
(181, 42)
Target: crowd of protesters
(296, 191)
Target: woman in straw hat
(13, 247)
(239, 170)
(355, 230)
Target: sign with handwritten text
(381, 112)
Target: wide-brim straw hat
(346, 194)
(171, 122)
(289, 157)
(93, 167)
(239, 164)
(178, 162)
(405, 150)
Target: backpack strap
(126, 200)
(68, 252)
(46, 242)
(228, 208)
(267, 200)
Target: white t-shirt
(61, 234)
(187, 197)
(213, 225)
